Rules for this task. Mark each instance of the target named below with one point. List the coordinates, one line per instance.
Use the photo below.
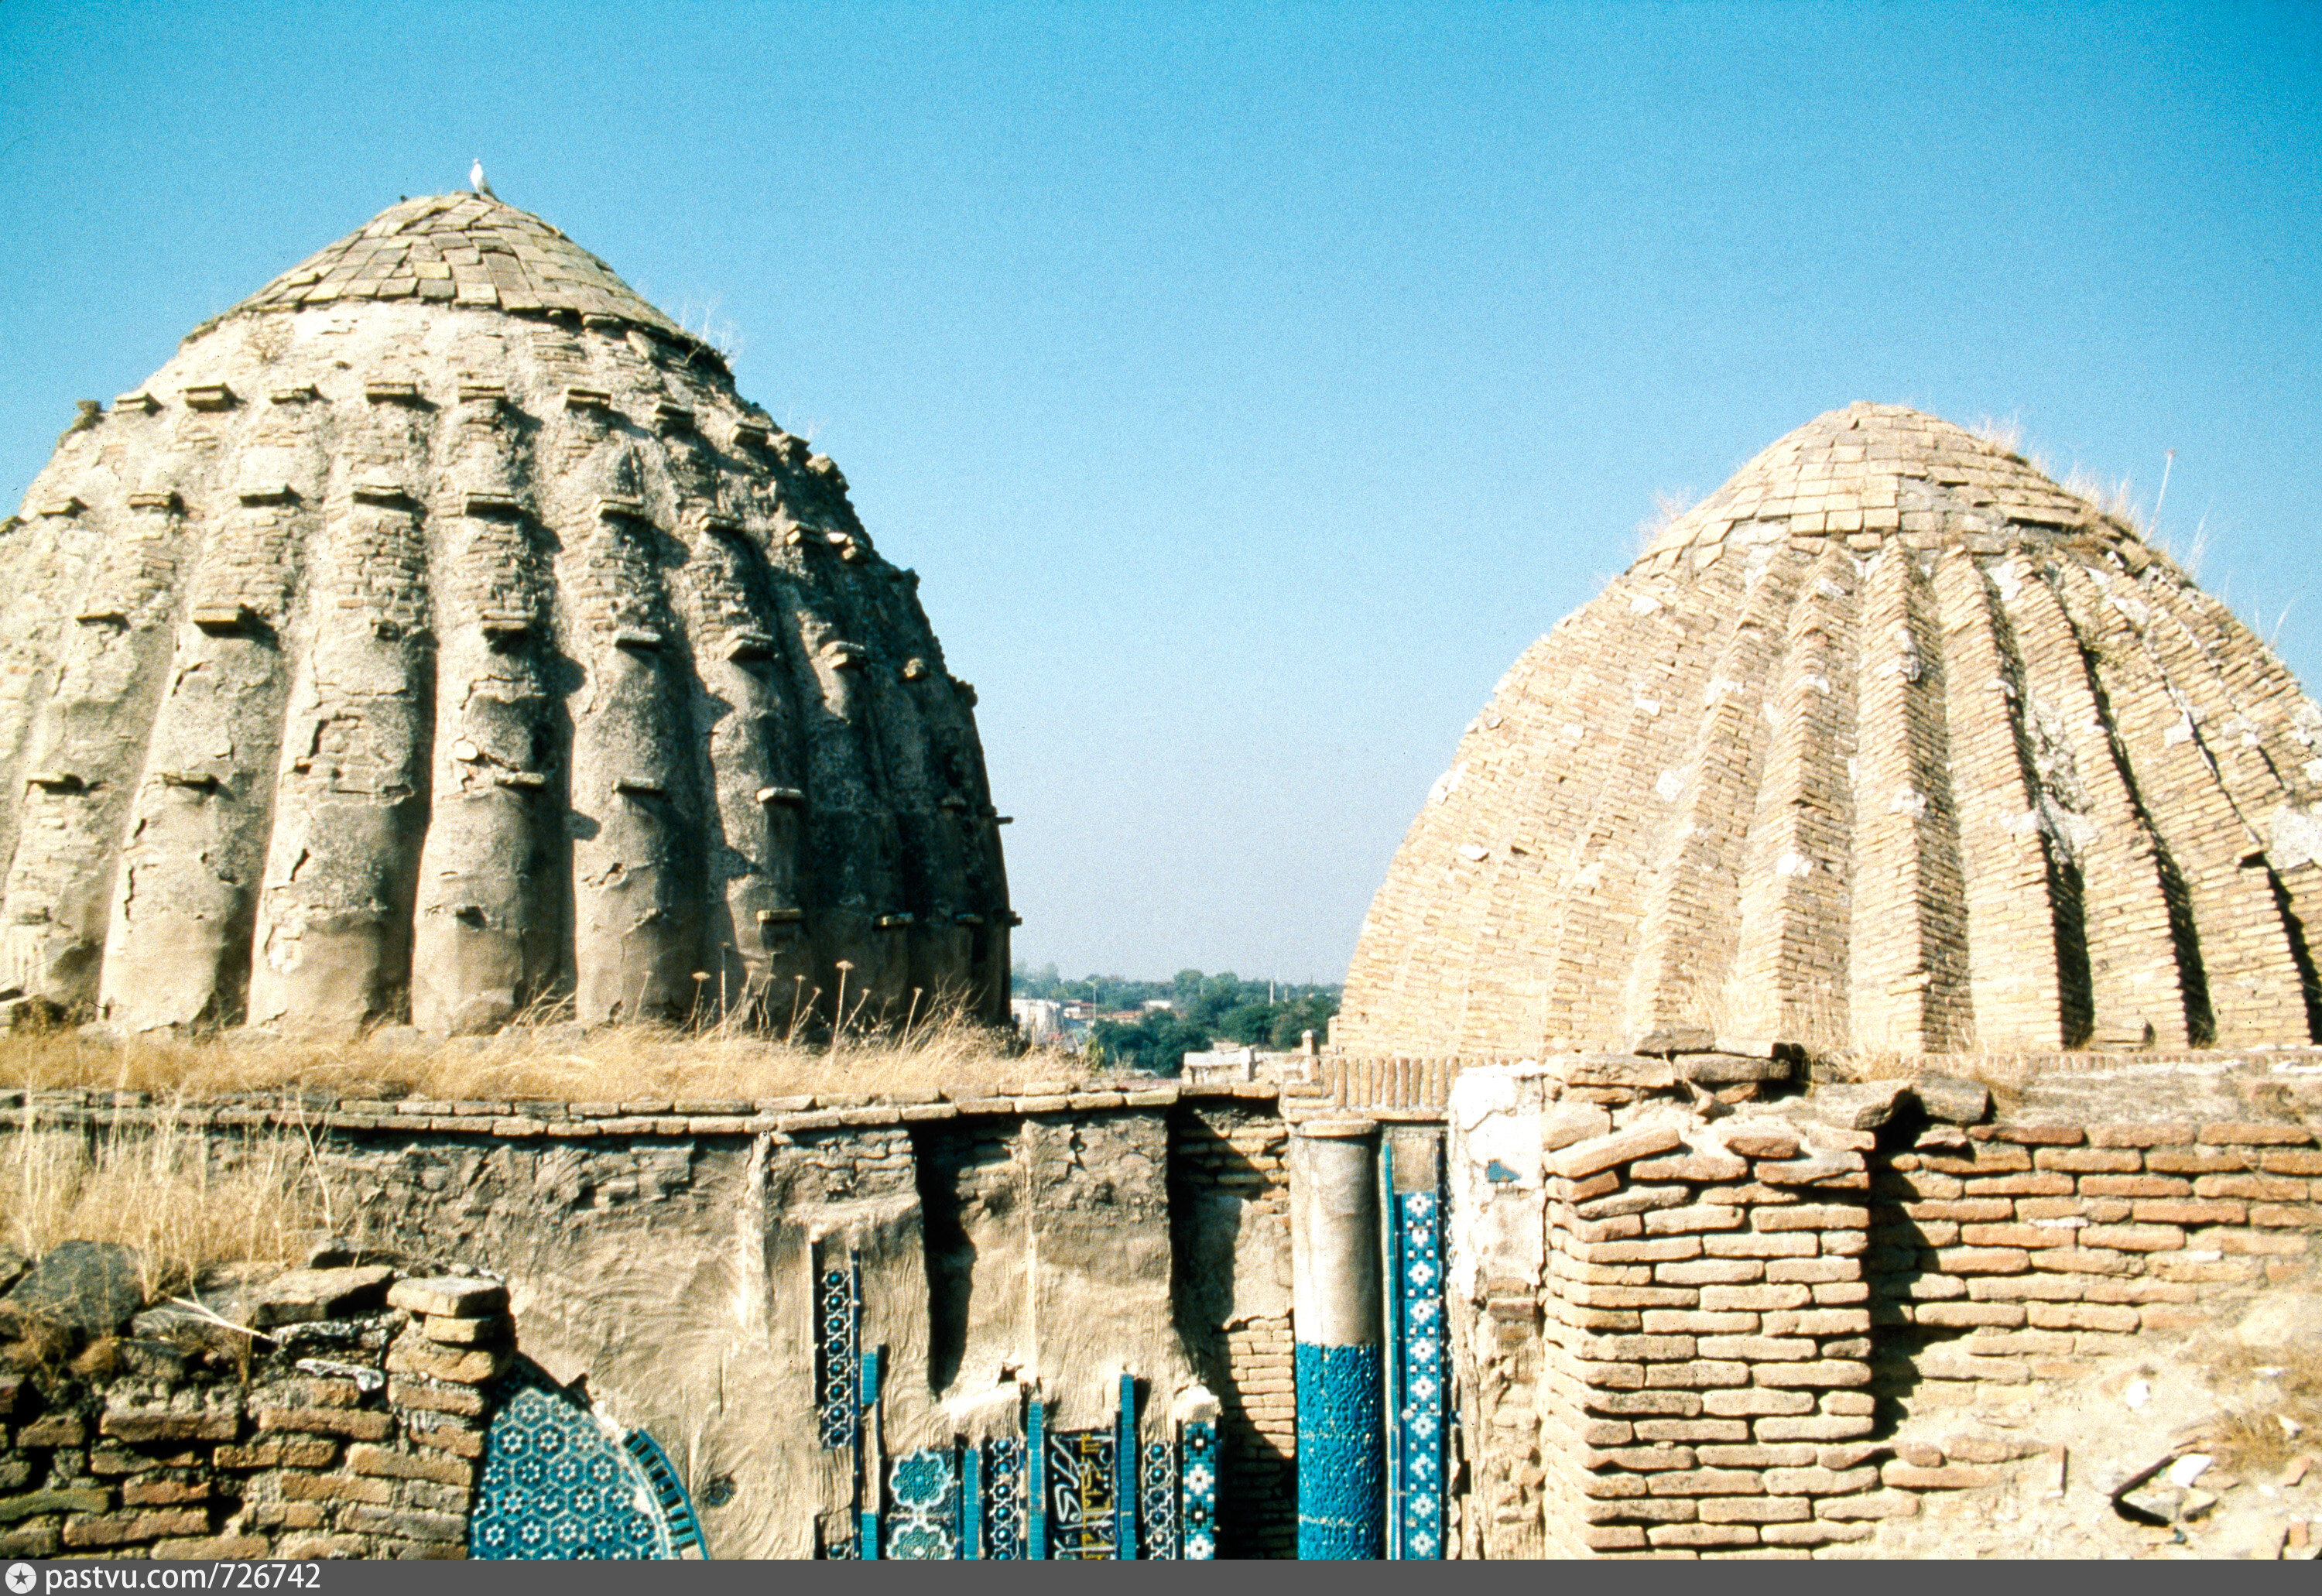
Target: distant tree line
(1206, 1011)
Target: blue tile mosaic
(1422, 1382)
(1081, 1503)
(557, 1484)
(1003, 1497)
(1124, 1471)
(839, 1333)
(1036, 1481)
(1197, 1445)
(1157, 1501)
(676, 1507)
(1341, 1448)
(971, 1501)
(923, 1506)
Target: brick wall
(1706, 1342)
(355, 1436)
(2019, 1251)
(1220, 1150)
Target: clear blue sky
(1251, 383)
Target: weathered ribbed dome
(1890, 745)
(440, 621)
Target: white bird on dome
(476, 179)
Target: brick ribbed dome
(1891, 744)
(440, 627)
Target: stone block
(449, 1297)
(1757, 1401)
(350, 1424)
(211, 1548)
(413, 1353)
(33, 1504)
(1811, 1216)
(1693, 1219)
(2134, 1239)
(92, 1288)
(1952, 1099)
(2257, 1134)
(144, 1426)
(478, 1332)
(1703, 1535)
(1875, 1504)
(385, 1462)
(295, 1452)
(1707, 1482)
(163, 1492)
(1582, 1159)
(1819, 1371)
(53, 1429)
(1862, 1106)
(1902, 1476)
(335, 1488)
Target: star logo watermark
(22, 1577)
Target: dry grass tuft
(2006, 436)
(1670, 505)
(554, 1063)
(2274, 1383)
(2116, 499)
(159, 1191)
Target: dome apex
(1871, 473)
(464, 248)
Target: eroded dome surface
(1891, 744)
(439, 630)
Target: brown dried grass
(554, 1062)
(159, 1190)
(2269, 1385)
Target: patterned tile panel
(1003, 1497)
(556, 1485)
(923, 1506)
(1081, 1501)
(1156, 1495)
(1341, 1447)
(1421, 1375)
(838, 1304)
(1198, 1446)
(676, 1507)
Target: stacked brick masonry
(370, 1450)
(1705, 1375)
(1220, 1151)
(2016, 1252)
(1891, 745)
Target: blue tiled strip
(1156, 1501)
(1036, 1482)
(1197, 1510)
(868, 1513)
(1421, 1380)
(1003, 1497)
(971, 1501)
(1124, 1473)
(1391, 1274)
(838, 1314)
(1341, 1444)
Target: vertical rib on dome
(1891, 745)
(439, 631)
